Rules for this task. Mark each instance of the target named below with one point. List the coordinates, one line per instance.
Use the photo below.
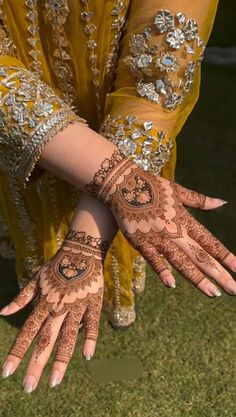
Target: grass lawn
(184, 341)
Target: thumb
(194, 199)
(23, 298)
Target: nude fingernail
(88, 357)
(172, 285)
(7, 369)
(224, 202)
(217, 293)
(234, 266)
(4, 310)
(55, 379)
(29, 384)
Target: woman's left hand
(69, 286)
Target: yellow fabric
(34, 220)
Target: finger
(194, 199)
(207, 240)
(66, 344)
(207, 264)
(155, 259)
(25, 337)
(181, 262)
(91, 323)
(42, 351)
(27, 294)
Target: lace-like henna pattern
(93, 242)
(203, 237)
(172, 253)
(190, 197)
(71, 283)
(107, 166)
(142, 199)
(202, 256)
(26, 292)
(44, 340)
(149, 210)
(29, 330)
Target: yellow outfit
(130, 69)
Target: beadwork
(147, 59)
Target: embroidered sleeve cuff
(30, 115)
(148, 147)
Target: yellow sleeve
(30, 114)
(157, 78)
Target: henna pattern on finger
(203, 236)
(189, 197)
(29, 330)
(202, 256)
(43, 341)
(28, 291)
(70, 283)
(149, 211)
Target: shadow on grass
(9, 288)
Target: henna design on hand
(150, 212)
(70, 284)
(189, 197)
(202, 256)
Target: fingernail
(29, 384)
(172, 285)
(234, 266)
(217, 293)
(4, 310)
(224, 202)
(7, 369)
(55, 379)
(88, 357)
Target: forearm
(94, 218)
(75, 154)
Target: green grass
(184, 341)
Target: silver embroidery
(147, 59)
(117, 28)
(31, 114)
(57, 12)
(33, 40)
(147, 147)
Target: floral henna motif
(71, 283)
(150, 212)
(29, 330)
(202, 256)
(27, 291)
(189, 197)
(142, 199)
(44, 340)
(203, 237)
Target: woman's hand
(69, 287)
(150, 211)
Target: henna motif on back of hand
(149, 210)
(70, 285)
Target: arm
(157, 79)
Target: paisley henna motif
(70, 284)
